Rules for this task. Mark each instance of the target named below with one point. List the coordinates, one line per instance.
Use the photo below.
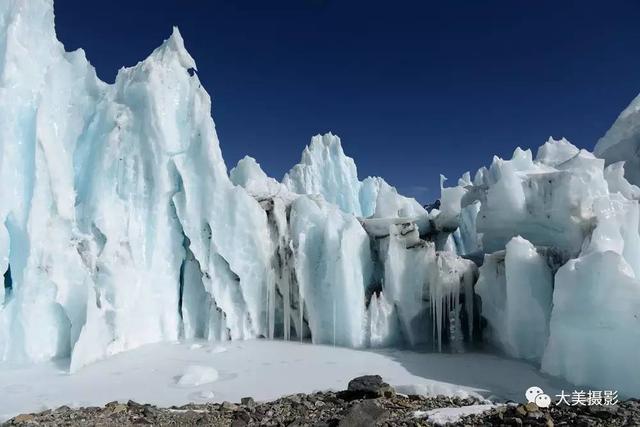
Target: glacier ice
(325, 170)
(332, 254)
(121, 226)
(622, 142)
(516, 287)
(559, 236)
(112, 175)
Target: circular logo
(532, 393)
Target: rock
(294, 398)
(328, 410)
(364, 414)
(603, 411)
(119, 407)
(248, 401)
(24, 418)
(243, 416)
(228, 406)
(149, 411)
(584, 420)
(535, 415)
(367, 387)
(531, 407)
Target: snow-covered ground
(443, 416)
(177, 373)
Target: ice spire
(173, 47)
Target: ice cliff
(622, 142)
(121, 226)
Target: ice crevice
(150, 238)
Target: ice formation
(559, 283)
(120, 226)
(622, 142)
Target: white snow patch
(443, 416)
(196, 375)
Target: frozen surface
(195, 375)
(258, 369)
(123, 180)
(516, 289)
(559, 284)
(622, 141)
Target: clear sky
(414, 88)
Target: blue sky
(414, 88)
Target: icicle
(468, 301)
(301, 316)
(334, 321)
(271, 307)
(433, 307)
(286, 298)
(301, 308)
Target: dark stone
(367, 387)
(248, 401)
(364, 414)
(228, 406)
(604, 411)
(243, 416)
(513, 421)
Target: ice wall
(622, 142)
(112, 223)
(358, 282)
(516, 287)
(39, 237)
(559, 234)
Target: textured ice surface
(516, 288)
(622, 142)
(124, 181)
(333, 269)
(325, 170)
(559, 280)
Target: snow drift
(120, 226)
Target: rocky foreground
(368, 401)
